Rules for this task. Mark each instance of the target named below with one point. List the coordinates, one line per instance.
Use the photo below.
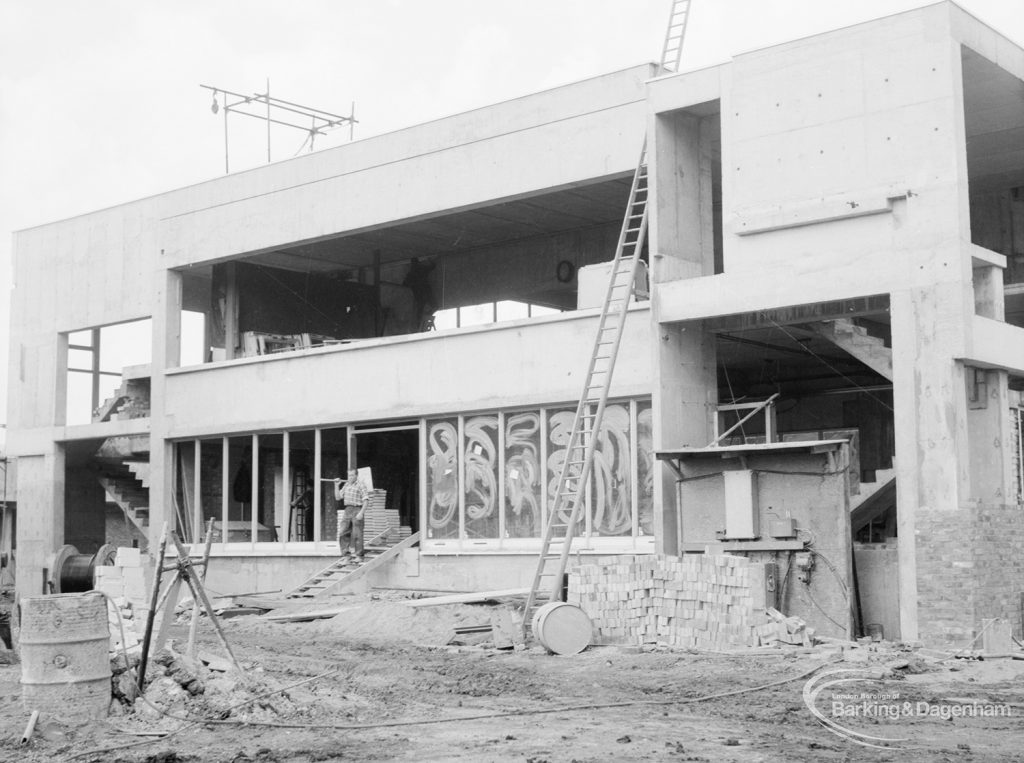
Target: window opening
(104, 380)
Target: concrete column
(933, 474)
(989, 297)
(166, 352)
(681, 226)
(685, 387)
(40, 500)
(989, 437)
(685, 396)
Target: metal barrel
(65, 667)
(562, 628)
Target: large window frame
(240, 454)
(463, 542)
(227, 527)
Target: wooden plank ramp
(346, 571)
(467, 598)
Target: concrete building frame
(829, 221)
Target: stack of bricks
(380, 520)
(694, 601)
(125, 584)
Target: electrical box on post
(764, 585)
(740, 505)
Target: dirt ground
(384, 677)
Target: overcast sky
(100, 100)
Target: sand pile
(386, 621)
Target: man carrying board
(352, 497)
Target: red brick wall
(970, 566)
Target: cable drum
(72, 572)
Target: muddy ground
(393, 691)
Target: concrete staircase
(874, 500)
(129, 401)
(123, 486)
(874, 506)
(847, 335)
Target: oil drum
(65, 667)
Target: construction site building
(837, 220)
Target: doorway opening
(392, 455)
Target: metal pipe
(226, 168)
(278, 103)
(236, 110)
(30, 727)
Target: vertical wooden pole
(193, 626)
(153, 598)
(171, 600)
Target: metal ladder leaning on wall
(675, 33)
(570, 494)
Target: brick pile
(379, 519)
(694, 601)
(125, 584)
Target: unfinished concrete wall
(516, 363)
(455, 163)
(413, 570)
(41, 518)
(877, 567)
(845, 167)
(117, 264)
(812, 490)
(683, 246)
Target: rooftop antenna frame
(320, 121)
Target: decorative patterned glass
(480, 459)
(442, 479)
(523, 475)
(645, 466)
(610, 483)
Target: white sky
(100, 100)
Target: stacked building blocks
(125, 584)
(695, 601)
(380, 520)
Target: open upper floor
(857, 162)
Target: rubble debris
(163, 695)
(506, 628)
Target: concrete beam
(995, 344)
(682, 91)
